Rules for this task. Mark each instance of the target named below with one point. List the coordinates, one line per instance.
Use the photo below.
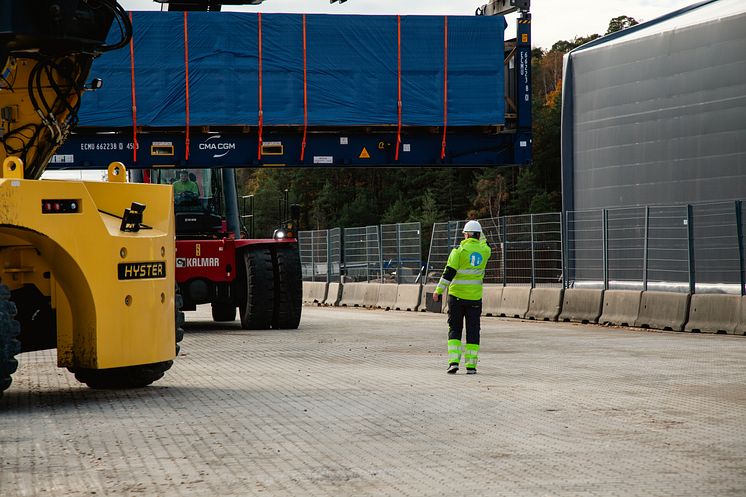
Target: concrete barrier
(370, 298)
(581, 305)
(714, 313)
(408, 297)
(741, 326)
(621, 307)
(514, 301)
(314, 292)
(663, 310)
(491, 298)
(545, 304)
(429, 288)
(332, 294)
(387, 296)
(353, 295)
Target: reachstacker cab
(218, 260)
(86, 268)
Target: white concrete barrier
(491, 298)
(621, 307)
(514, 301)
(545, 304)
(387, 296)
(408, 297)
(332, 294)
(370, 298)
(741, 326)
(663, 310)
(581, 305)
(353, 295)
(314, 292)
(714, 313)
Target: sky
(552, 20)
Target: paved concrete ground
(357, 403)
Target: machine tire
(134, 376)
(256, 289)
(288, 288)
(9, 344)
(223, 312)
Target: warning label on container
(323, 159)
(364, 154)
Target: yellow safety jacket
(464, 272)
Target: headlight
(280, 234)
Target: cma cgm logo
(220, 149)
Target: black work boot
(452, 368)
(471, 370)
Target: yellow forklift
(85, 267)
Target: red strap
(445, 87)
(186, 77)
(305, 92)
(398, 132)
(134, 99)
(261, 106)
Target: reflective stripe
(467, 282)
(440, 286)
(444, 281)
(470, 271)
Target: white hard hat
(473, 227)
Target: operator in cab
(184, 184)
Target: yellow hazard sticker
(364, 154)
(524, 38)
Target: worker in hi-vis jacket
(463, 276)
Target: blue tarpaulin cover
(351, 65)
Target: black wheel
(134, 376)
(9, 344)
(255, 289)
(288, 288)
(222, 312)
(126, 377)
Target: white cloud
(553, 20)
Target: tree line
(358, 197)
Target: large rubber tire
(9, 344)
(256, 289)
(288, 288)
(223, 312)
(134, 376)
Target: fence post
(533, 258)
(505, 249)
(367, 264)
(313, 259)
(328, 256)
(563, 248)
(605, 245)
(739, 232)
(690, 247)
(645, 246)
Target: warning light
(60, 206)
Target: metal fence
(526, 250)
(683, 248)
(389, 253)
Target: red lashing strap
(445, 87)
(134, 99)
(261, 106)
(399, 105)
(186, 65)
(305, 93)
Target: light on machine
(280, 234)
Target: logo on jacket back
(475, 259)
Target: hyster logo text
(197, 262)
(212, 144)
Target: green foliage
(620, 23)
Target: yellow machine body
(107, 316)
